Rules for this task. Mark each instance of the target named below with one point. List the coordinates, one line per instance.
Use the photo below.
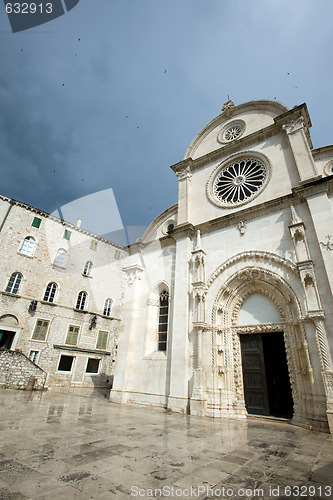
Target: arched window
(163, 321)
(14, 283)
(87, 268)
(28, 246)
(107, 307)
(60, 258)
(81, 301)
(50, 292)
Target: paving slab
(57, 445)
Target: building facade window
(163, 321)
(81, 301)
(36, 222)
(72, 335)
(92, 365)
(33, 356)
(28, 246)
(107, 307)
(50, 292)
(93, 245)
(14, 283)
(65, 363)
(60, 258)
(40, 330)
(102, 340)
(87, 268)
(67, 234)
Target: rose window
(232, 133)
(239, 181)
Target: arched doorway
(9, 331)
(267, 389)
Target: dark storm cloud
(112, 93)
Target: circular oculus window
(239, 181)
(232, 131)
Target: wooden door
(254, 376)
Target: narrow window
(87, 268)
(117, 254)
(40, 330)
(81, 301)
(28, 246)
(107, 307)
(50, 292)
(60, 258)
(36, 222)
(14, 283)
(67, 234)
(92, 365)
(33, 355)
(93, 245)
(72, 335)
(102, 340)
(163, 321)
(65, 363)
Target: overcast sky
(111, 94)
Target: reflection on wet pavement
(56, 446)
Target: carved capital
(132, 273)
(153, 302)
(294, 125)
(184, 173)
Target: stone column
(179, 320)
(126, 344)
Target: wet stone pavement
(69, 447)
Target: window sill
(81, 311)
(55, 266)
(81, 349)
(9, 294)
(45, 302)
(86, 275)
(24, 255)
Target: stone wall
(16, 370)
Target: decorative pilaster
(325, 356)
(198, 280)
(184, 179)
(296, 133)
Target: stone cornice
(226, 150)
(312, 187)
(247, 214)
(182, 230)
(323, 153)
(293, 114)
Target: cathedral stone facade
(224, 306)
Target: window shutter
(40, 330)
(102, 340)
(72, 335)
(36, 222)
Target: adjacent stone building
(224, 306)
(60, 300)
